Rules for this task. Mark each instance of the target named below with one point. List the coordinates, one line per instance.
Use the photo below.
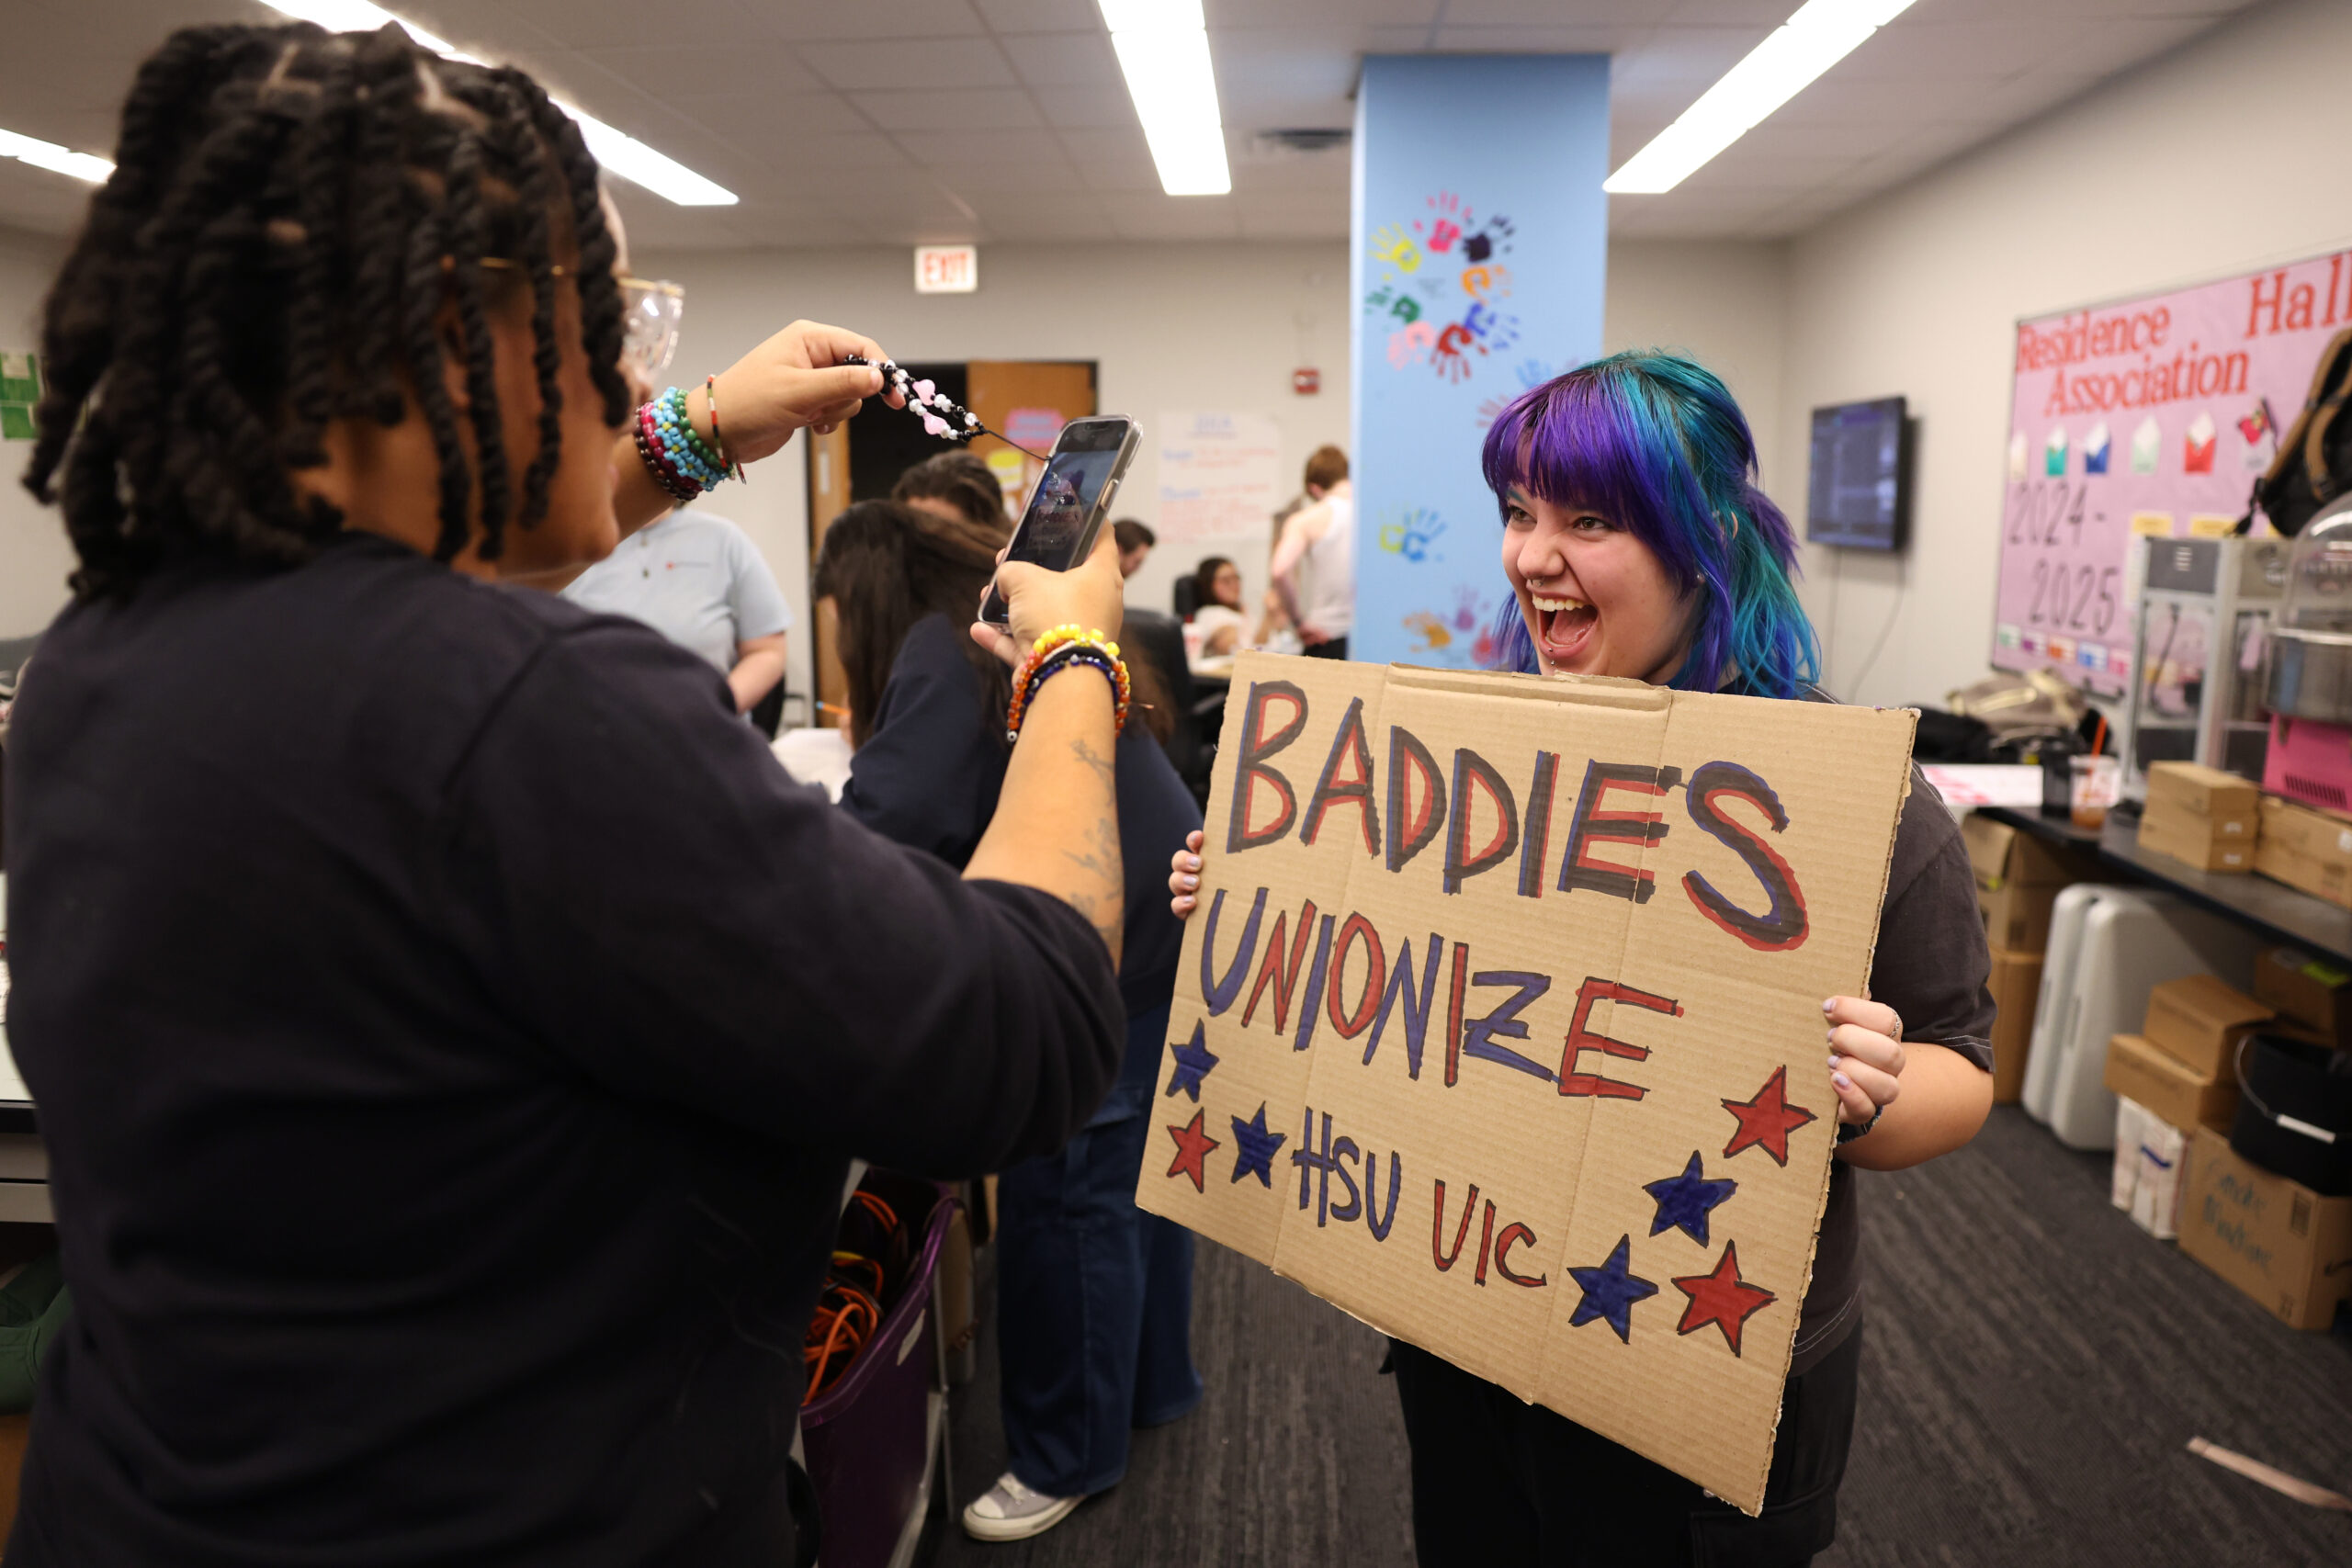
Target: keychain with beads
(942, 415)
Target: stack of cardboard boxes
(2305, 849)
(2201, 815)
(2018, 878)
(2282, 1244)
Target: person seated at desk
(1094, 1296)
(1221, 628)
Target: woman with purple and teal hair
(1637, 545)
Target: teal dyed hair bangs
(1655, 441)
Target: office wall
(2210, 160)
(34, 559)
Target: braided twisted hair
(290, 211)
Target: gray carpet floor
(2033, 1370)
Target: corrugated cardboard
(1497, 991)
(2150, 1159)
(2277, 1241)
(2017, 879)
(2199, 1020)
(2015, 983)
(2232, 805)
(2174, 1092)
(2305, 849)
(2314, 992)
(2201, 842)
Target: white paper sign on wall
(947, 269)
(1219, 474)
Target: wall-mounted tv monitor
(1859, 493)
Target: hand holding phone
(1065, 511)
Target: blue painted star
(1193, 1063)
(1253, 1148)
(1609, 1292)
(1684, 1200)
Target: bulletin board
(2146, 416)
(1220, 475)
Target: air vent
(1298, 142)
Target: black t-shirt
(1930, 968)
(450, 1028)
(934, 760)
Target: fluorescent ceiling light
(622, 153)
(1818, 36)
(49, 155)
(1163, 48)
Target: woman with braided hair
(1094, 1296)
(450, 1027)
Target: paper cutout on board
(1527, 973)
(2147, 446)
(2053, 452)
(2260, 438)
(2095, 449)
(2196, 445)
(2151, 525)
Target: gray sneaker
(1009, 1511)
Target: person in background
(700, 581)
(1094, 1296)
(1637, 545)
(503, 1019)
(956, 487)
(1313, 566)
(1216, 589)
(1136, 542)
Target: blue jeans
(1094, 1297)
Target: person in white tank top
(1314, 565)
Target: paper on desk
(1964, 785)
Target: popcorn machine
(2310, 668)
(2203, 621)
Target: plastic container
(2295, 1111)
(2097, 784)
(868, 1437)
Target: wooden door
(828, 498)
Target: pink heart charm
(925, 390)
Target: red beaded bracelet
(1035, 671)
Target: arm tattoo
(1100, 860)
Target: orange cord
(848, 1314)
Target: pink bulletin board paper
(2154, 416)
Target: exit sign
(946, 269)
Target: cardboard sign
(1499, 1025)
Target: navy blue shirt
(450, 1028)
(931, 765)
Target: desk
(2272, 908)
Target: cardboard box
(2199, 1021)
(2174, 1091)
(2230, 805)
(2305, 849)
(2017, 879)
(2280, 1243)
(2201, 842)
(2150, 1167)
(1562, 942)
(2014, 984)
(2313, 992)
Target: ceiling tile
(1553, 37)
(684, 72)
(1088, 109)
(1041, 16)
(910, 63)
(1293, 220)
(1495, 13)
(807, 20)
(1173, 217)
(1924, 51)
(597, 24)
(1764, 14)
(1318, 13)
(1065, 60)
(770, 122)
(974, 109)
(944, 149)
(993, 183)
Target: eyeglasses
(651, 312)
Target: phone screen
(1064, 499)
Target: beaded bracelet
(733, 466)
(677, 489)
(683, 444)
(1059, 648)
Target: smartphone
(1066, 509)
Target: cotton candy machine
(2309, 681)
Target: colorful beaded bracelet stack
(680, 460)
(1060, 648)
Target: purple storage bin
(867, 1438)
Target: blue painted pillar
(1480, 248)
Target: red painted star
(1721, 1298)
(1192, 1147)
(1766, 1121)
